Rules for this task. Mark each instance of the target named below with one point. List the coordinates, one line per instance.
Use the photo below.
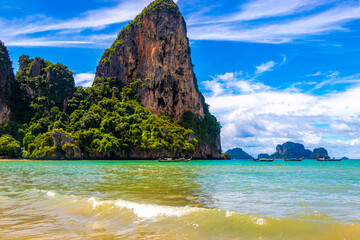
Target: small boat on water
(174, 160)
(294, 159)
(263, 160)
(328, 160)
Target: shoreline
(89, 160)
(13, 160)
(125, 160)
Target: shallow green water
(196, 200)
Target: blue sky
(272, 70)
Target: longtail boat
(174, 160)
(335, 160)
(328, 160)
(294, 159)
(263, 160)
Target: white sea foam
(260, 221)
(50, 194)
(151, 211)
(146, 210)
(229, 213)
(94, 202)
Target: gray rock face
(207, 151)
(70, 149)
(6, 80)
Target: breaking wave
(91, 217)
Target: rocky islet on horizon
(286, 150)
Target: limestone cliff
(154, 47)
(6, 80)
(41, 85)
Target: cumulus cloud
(84, 79)
(239, 82)
(259, 119)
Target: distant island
(238, 153)
(263, 155)
(144, 102)
(286, 150)
(297, 150)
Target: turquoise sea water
(195, 200)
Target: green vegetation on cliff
(6, 81)
(226, 156)
(101, 122)
(40, 85)
(206, 130)
(4, 57)
(108, 123)
(9, 147)
(109, 53)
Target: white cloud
(259, 119)
(354, 142)
(297, 22)
(18, 32)
(229, 76)
(45, 43)
(84, 79)
(99, 18)
(239, 82)
(340, 127)
(265, 67)
(259, 9)
(317, 74)
(214, 86)
(290, 29)
(271, 8)
(332, 79)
